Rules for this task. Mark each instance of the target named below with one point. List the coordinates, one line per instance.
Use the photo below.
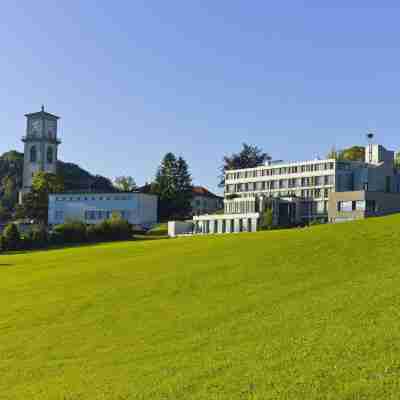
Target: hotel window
(59, 215)
(346, 206)
(360, 205)
(283, 183)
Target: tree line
(172, 182)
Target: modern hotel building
(300, 192)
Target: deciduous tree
(248, 157)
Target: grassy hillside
(299, 314)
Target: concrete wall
(176, 228)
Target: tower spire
(42, 107)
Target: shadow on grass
(135, 238)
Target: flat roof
(98, 193)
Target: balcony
(37, 138)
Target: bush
(10, 239)
(120, 229)
(113, 229)
(39, 236)
(71, 232)
(267, 219)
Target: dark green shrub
(267, 219)
(113, 229)
(93, 234)
(120, 229)
(10, 239)
(39, 236)
(56, 238)
(71, 232)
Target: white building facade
(300, 192)
(138, 209)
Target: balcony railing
(51, 139)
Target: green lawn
(297, 314)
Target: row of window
(323, 180)
(358, 205)
(303, 193)
(280, 170)
(33, 155)
(93, 198)
(92, 215)
(240, 207)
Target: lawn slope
(296, 314)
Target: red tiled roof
(202, 191)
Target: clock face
(36, 126)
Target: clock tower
(40, 146)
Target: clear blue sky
(135, 79)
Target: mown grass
(297, 314)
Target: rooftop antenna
(370, 137)
(42, 107)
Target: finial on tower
(42, 107)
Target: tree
(5, 214)
(184, 189)
(354, 153)
(125, 183)
(397, 160)
(173, 185)
(102, 184)
(35, 203)
(10, 240)
(10, 192)
(333, 153)
(248, 157)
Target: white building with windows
(300, 192)
(139, 209)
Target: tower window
(49, 155)
(33, 154)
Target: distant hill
(75, 178)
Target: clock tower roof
(42, 113)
